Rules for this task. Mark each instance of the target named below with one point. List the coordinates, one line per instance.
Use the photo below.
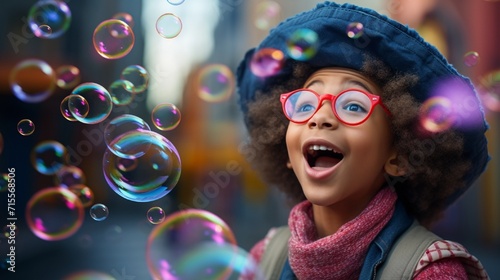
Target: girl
(342, 133)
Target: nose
(324, 118)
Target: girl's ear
(288, 164)
(394, 165)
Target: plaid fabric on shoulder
(448, 249)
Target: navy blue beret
(399, 47)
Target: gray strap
(275, 254)
(406, 252)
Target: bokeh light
(165, 116)
(138, 76)
(32, 80)
(267, 62)
(302, 44)
(267, 15)
(49, 19)
(48, 157)
(69, 175)
(436, 114)
(99, 212)
(25, 127)
(489, 90)
(355, 30)
(113, 39)
(68, 76)
(54, 213)
(155, 215)
(168, 26)
(121, 92)
(216, 83)
(156, 172)
(118, 127)
(78, 106)
(98, 99)
(471, 58)
(183, 232)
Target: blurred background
(181, 44)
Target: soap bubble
(168, 25)
(78, 106)
(118, 127)
(267, 15)
(157, 170)
(68, 76)
(166, 116)
(216, 83)
(155, 215)
(175, 2)
(303, 44)
(99, 102)
(181, 233)
(355, 30)
(48, 157)
(138, 76)
(64, 108)
(84, 193)
(68, 176)
(113, 39)
(121, 92)
(32, 80)
(267, 62)
(489, 90)
(99, 212)
(25, 127)
(125, 17)
(54, 213)
(437, 114)
(49, 18)
(471, 58)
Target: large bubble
(181, 235)
(32, 80)
(98, 100)
(49, 18)
(152, 175)
(113, 39)
(54, 213)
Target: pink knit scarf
(340, 255)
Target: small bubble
(121, 92)
(99, 212)
(25, 127)
(78, 106)
(267, 15)
(471, 59)
(113, 39)
(267, 62)
(68, 76)
(48, 157)
(168, 25)
(216, 83)
(166, 116)
(138, 76)
(155, 215)
(354, 30)
(175, 2)
(302, 44)
(437, 114)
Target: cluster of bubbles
(195, 244)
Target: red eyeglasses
(351, 106)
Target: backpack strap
(406, 252)
(275, 253)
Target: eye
(353, 107)
(304, 108)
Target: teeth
(321, 147)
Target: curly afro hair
(433, 162)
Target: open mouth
(322, 156)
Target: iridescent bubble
(302, 44)
(209, 257)
(267, 62)
(64, 108)
(157, 171)
(32, 80)
(118, 127)
(99, 100)
(84, 193)
(91, 275)
(68, 76)
(175, 2)
(168, 25)
(99, 212)
(125, 17)
(138, 76)
(166, 116)
(54, 213)
(155, 215)
(216, 83)
(78, 106)
(471, 58)
(69, 175)
(121, 92)
(267, 15)
(172, 241)
(4, 181)
(48, 157)
(49, 18)
(490, 90)
(25, 127)
(437, 114)
(355, 30)
(113, 39)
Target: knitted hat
(399, 47)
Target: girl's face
(338, 164)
